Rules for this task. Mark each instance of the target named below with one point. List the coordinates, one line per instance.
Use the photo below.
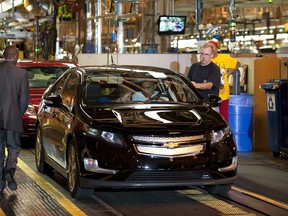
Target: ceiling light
(44, 6)
(7, 5)
(28, 5)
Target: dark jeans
(10, 139)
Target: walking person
(14, 100)
(205, 75)
(228, 65)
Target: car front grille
(168, 176)
(161, 139)
(158, 146)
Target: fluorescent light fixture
(44, 6)
(29, 7)
(7, 5)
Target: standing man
(228, 66)
(205, 75)
(14, 100)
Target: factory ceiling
(14, 16)
(186, 5)
(243, 10)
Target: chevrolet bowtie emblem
(171, 145)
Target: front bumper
(152, 178)
(93, 183)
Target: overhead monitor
(171, 25)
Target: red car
(41, 75)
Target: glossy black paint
(88, 123)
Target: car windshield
(137, 87)
(42, 77)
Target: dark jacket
(202, 74)
(14, 96)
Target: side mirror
(53, 100)
(215, 100)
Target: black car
(94, 129)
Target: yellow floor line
(60, 198)
(260, 197)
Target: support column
(120, 32)
(165, 8)
(89, 47)
(89, 21)
(98, 27)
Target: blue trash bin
(277, 115)
(240, 120)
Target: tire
(75, 190)
(41, 166)
(218, 189)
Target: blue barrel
(240, 120)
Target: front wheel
(75, 190)
(39, 152)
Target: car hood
(183, 117)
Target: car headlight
(31, 110)
(217, 136)
(112, 137)
(109, 137)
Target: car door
(49, 122)
(54, 118)
(62, 120)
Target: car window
(42, 77)
(58, 86)
(134, 87)
(69, 90)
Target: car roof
(128, 68)
(46, 64)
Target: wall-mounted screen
(171, 25)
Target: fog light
(91, 165)
(232, 166)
